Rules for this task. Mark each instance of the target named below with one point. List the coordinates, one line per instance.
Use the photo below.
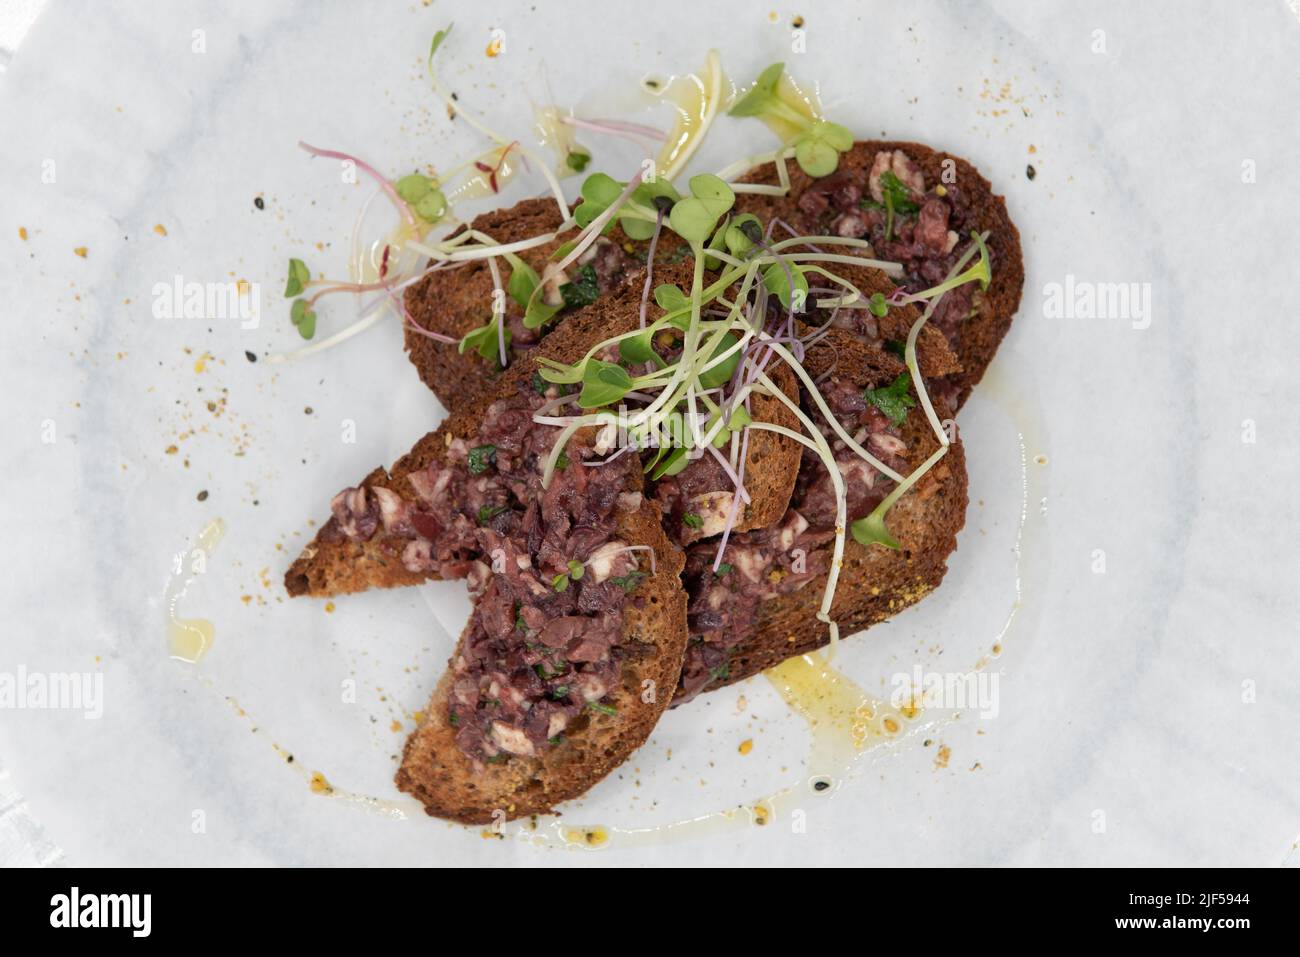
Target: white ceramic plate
(1139, 545)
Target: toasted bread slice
(875, 582)
(457, 301)
(438, 774)
(334, 564)
(975, 338)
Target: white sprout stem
(498, 309)
(743, 166)
(402, 206)
(548, 472)
(816, 396)
(342, 335)
(909, 353)
(634, 549)
(556, 189)
(593, 230)
(823, 451)
(487, 247)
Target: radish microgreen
(299, 277)
(303, 318)
(817, 143)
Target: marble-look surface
(1146, 712)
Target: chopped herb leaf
(453, 719)
(577, 160)
(721, 671)
(583, 291)
(488, 512)
(602, 708)
(893, 399)
(629, 581)
(691, 520)
(723, 569)
(480, 457)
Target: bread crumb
(160, 229)
(941, 759)
(81, 251)
(746, 746)
(22, 233)
(329, 608)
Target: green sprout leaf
(721, 373)
(421, 193)
(558, 372)
(739, 420)
(695, 217)
(893, 400)
(818, 149)
(777, 281)
(872, 531)
(599, 192)
(523, 280)
(763, 96)
(299, 276)
(669, 298)
(640, 348)
(576, 569)
(303, 318)
(603, 383)
(877, 304)
(437, 41)
(743, 233)
(676, 460)
(486, 341)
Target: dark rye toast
(456, 301)
(818, 205)
(875, 582)
(334, 564)
(439, 775)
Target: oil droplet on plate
(189, 639)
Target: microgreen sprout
(817, 143)
(980, 272)
(303, 318)
(299, 277)
(422, 194)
